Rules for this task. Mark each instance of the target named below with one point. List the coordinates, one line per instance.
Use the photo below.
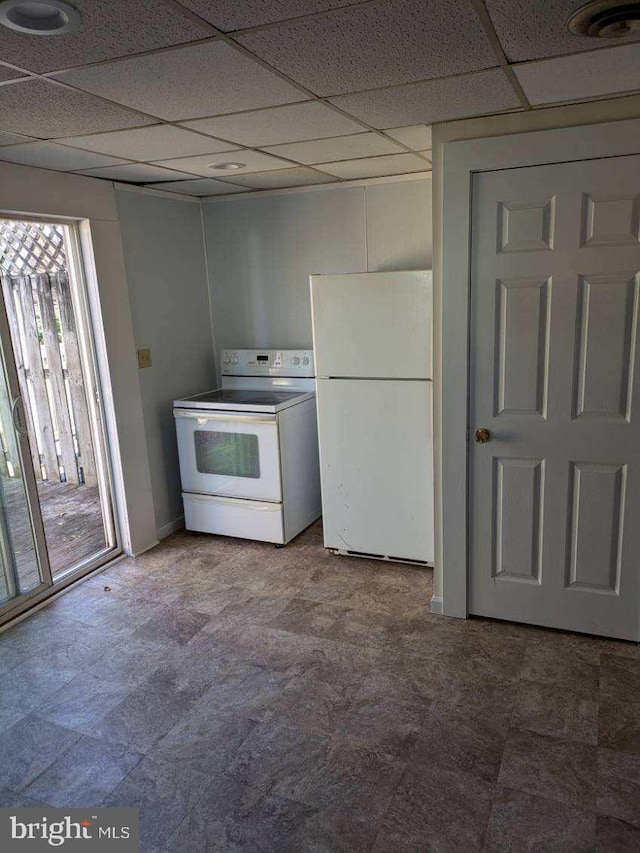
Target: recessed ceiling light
(39, 17)
(230, 167)
(606, 19)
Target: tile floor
(252, 699)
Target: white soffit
(149, 143)
(292, 123)
(376, 44)
(186, 83)
(586, 75)
(416, 136)
(338, 148)
(433, 100)
(48, 155)
(254, 161)
(373, 167)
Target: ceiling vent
(606, 19)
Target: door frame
(460, 161)
(97, 386)
(26, 191)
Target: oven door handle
(203, 417)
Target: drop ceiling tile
(254, 161)
(201, 187)
(110, 28)
(137, 173)
(186, 83)
(372, 45)
(157, 142)
(293, 123)
(588, 75)
(530, 29)
(9, 74)
(376, 167)
(48, 155)
(37, 108)
(433, 100)
(297, 177)
(230, 15)
(338, 148)
(417, 136)
(13, 138)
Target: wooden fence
(47, 353)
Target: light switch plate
(144, 358)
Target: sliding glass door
(58, 518)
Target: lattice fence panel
(37, 298)
(31, 247)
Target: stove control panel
(253, 362)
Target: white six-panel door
(555, 492)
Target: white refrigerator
(372, 349)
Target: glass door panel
(50, 329)
(24, 568)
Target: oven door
(231, 455)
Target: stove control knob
(225, 358)
(234, 358)
(295, 360)
(305, 360)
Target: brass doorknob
(482, 436)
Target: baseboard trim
(146, 548)
(436, 604)
(170, 527)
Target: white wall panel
(399, 226)
(165, 265)
(261, 253)
(262, 250)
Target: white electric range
(249, 449)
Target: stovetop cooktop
(247, 400)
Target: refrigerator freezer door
(373, 325)
(376, 463)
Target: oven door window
(231, 454)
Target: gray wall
(166, 275)
(262, 250)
